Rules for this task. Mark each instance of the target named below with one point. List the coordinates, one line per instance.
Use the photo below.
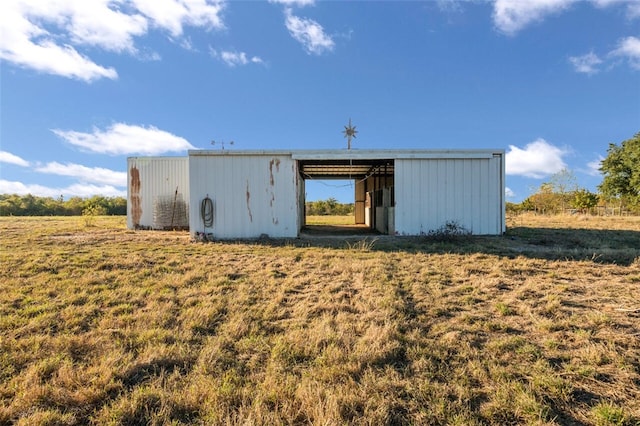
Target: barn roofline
(330, 154)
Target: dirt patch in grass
(105, 325)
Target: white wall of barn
(149, 178)
(252, 195)
(431, 192)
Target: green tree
(584, 200)
(545, 200)
(328, 207)
(117, 206)
(563, 184)
(74, 206)
(332, 203)
(10, 205)
(528, 204)
(621, 170)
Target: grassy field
(103, 325)
(330, 220)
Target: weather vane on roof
(349, 133)
(221, 143)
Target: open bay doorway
(351, 177)
(330, 207)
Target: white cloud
(537, 160)
(294, 2)
(452, 6)
(587, 64)
(85, 174)
(233, 59)
(633, 10)
(173, 15)
(76, 190)
(7, 157)
(593, 167)
(309, 33)
(45, 35)
(124, 139)
(629, 48)
(508, 192)
(49, 58)
(510, 16)
(633, 7)
(27, 39)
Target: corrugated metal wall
(431, 192)
(252, 194)
(150, 178)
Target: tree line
(619, 191)
(330, 207)
(30, 205)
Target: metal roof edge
(228, 152)
(329, 154)
(158, 157)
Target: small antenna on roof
(222, 143)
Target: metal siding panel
(503, 213)
(443, 194)
(484, 200)
(488, 192)
(496, 199)
(475, 194)
(466, 194)
(418, 206)
(458, 198)
(197, 181)
(412, 200)
(398, 171)
(419, 174)
(481, 188)
(158, 177)
(440, 193)
(403, 200)
(415, 200)
(452, 191)
(435, 194)
(461, 214)
(253, 195)
(424, 194)
(494, 203)
(430, 192)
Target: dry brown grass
(102, 325)
(330, 220)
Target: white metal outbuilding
(254, 193)
(157, 192)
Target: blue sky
(87, 83)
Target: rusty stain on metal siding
(136, 204)
(275, 161)
(248, 206)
